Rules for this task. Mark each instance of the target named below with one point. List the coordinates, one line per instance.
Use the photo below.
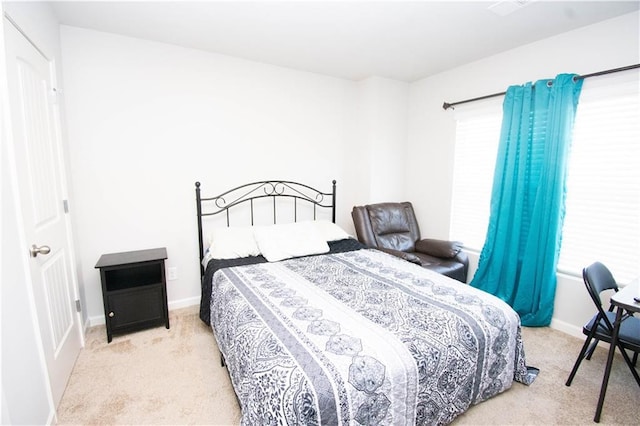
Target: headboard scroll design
(250, 192)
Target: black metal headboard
(250, 192)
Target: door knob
(35, 250)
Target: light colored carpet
(161, 376)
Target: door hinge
(78, 307)
(65, 204)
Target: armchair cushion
(393, 226)
(410, 257)
(439, 248)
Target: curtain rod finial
(446, 106)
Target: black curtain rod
(447, 105)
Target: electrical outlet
(172, 273)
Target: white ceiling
(348, 39)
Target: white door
(38, 159)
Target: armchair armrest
(402, 255)
(439, 248)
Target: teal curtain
(519, 257)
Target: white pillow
(329, 230)
(278, 242)
(232, 243)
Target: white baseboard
(184, 303)
(574, 331)
(176, 304)
(565, 327)
(97, 320)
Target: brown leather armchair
(392, 227)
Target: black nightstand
(134, 290)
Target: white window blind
(602, 220)
(477, 135)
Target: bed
(335, 333)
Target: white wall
(382, 126)
(146, 120)
(609, 44)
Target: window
(602, 220)
(477, 135)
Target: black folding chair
(597, 278)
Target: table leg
(607, 370)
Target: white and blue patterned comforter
(360, 338)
